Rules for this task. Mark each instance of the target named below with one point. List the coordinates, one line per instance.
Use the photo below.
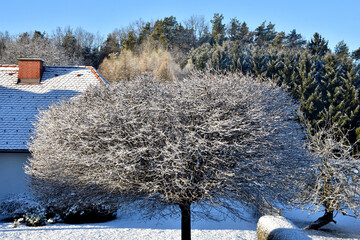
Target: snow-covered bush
(24, 207)
(74, 204)
(208, 139)
(62, 205)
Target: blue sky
(334, 20)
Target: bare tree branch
(208, 139)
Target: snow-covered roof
(19, 104)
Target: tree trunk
(322, 221)
(185, 221)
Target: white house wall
(12, 176)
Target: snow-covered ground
(134, 227)
(346, 227)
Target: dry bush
(163, 70)
(127, 65)
(121, 67)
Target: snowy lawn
(134, 227)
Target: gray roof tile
(19, 104)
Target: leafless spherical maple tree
(207, 139)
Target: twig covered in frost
(336, 183)
(210, 139)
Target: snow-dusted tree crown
(206, 138)
(336, 185)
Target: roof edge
(30, 59)
(98, 75)
(8, 65)
(14, 151)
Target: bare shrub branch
(208, 139)
(336, 183)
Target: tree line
(64, 46)
(88, 48)
(325, 82)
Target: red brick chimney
(30, 70)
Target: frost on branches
(207, 139)
(336, 184)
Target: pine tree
(278, 41)
(258, 62)
(308, 89)
(341, 103)
(245, 35)
(260, 34)
(356, 54)
(289, 72)
(295, 40)
(264, 35)
(351, 105)
(145, 32)
(342, 50)
(111, 45)
(130, 41)
(318, 45)
(164, 32)
(234, 29)
(218, 28)
(274, 64)
(270, 32)
(200, 56)
(69, 43)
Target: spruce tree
(111, 45)
(260, 33)
(318, 45)
(218, 28)
(295, 40)
(270, 32)
(308, 89)
(164, 32)
(278, 41)
(342, 50)
(244, 34)
(258, 62)
(145, 32)
(351, 101)
(356, 54)
(341, 101)
(234, 29)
